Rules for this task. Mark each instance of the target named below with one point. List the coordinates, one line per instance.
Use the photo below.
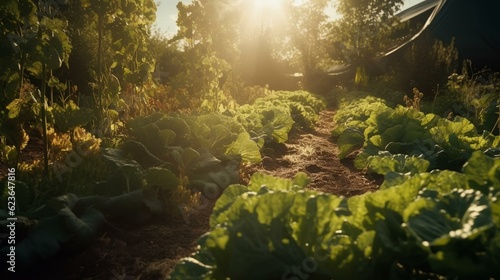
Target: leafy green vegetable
(460, 214)
(164, 178)
(483, 173)
(260, 180)
(215, 132)
(445, 144)
(139, 153)
(426, 225)
(355, 113)
(82, 229)
(244, 146)
(456, 220)
(385, 162)
(134, 207)
(350, 139)
(70, 223)
(124, 179)
(277, 124)
(271, 118)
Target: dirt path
(315, 154)
(150, 252)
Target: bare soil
(314, 153)
(151, 251)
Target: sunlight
(269, 13)
(331, 11)
(271, 5)
(298, 2)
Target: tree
(365, 29)
(307, 27)
(208, 39)
(260, 44)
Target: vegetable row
(436, 215)
(166, 152)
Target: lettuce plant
(429, 226)
(371, 127)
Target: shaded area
(148, 252)
(472, 24)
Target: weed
(415, 101)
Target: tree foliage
(307, 27)
(365, 27)
(202, 64)
(259, 46)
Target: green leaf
(191, 269)
(392, 134)
(161, 177)
(205, 162)
(217, 136)
(394, 179)
(151, 136)
(117, 158)
(350, 140)
(184, 157)
(176, 124)
(82, 229)
(64, 229)
(225, 201)
(279, 126)
(459, 215)
(168, 136)
(478, 169)
(301, 180)
(459, 126)
(386, 162)
(125, 179)
(137, 123)
(129, 207)
(259, 180)
(42, 243)
(245, 147)
(52, 57)
(215, 132)
(70, 116)
(455, 265)
(15, 108)
(139, 153)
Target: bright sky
(166, 14)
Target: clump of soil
(151, 251)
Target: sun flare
(272, 14)
(269, 5)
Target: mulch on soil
(315, 154)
